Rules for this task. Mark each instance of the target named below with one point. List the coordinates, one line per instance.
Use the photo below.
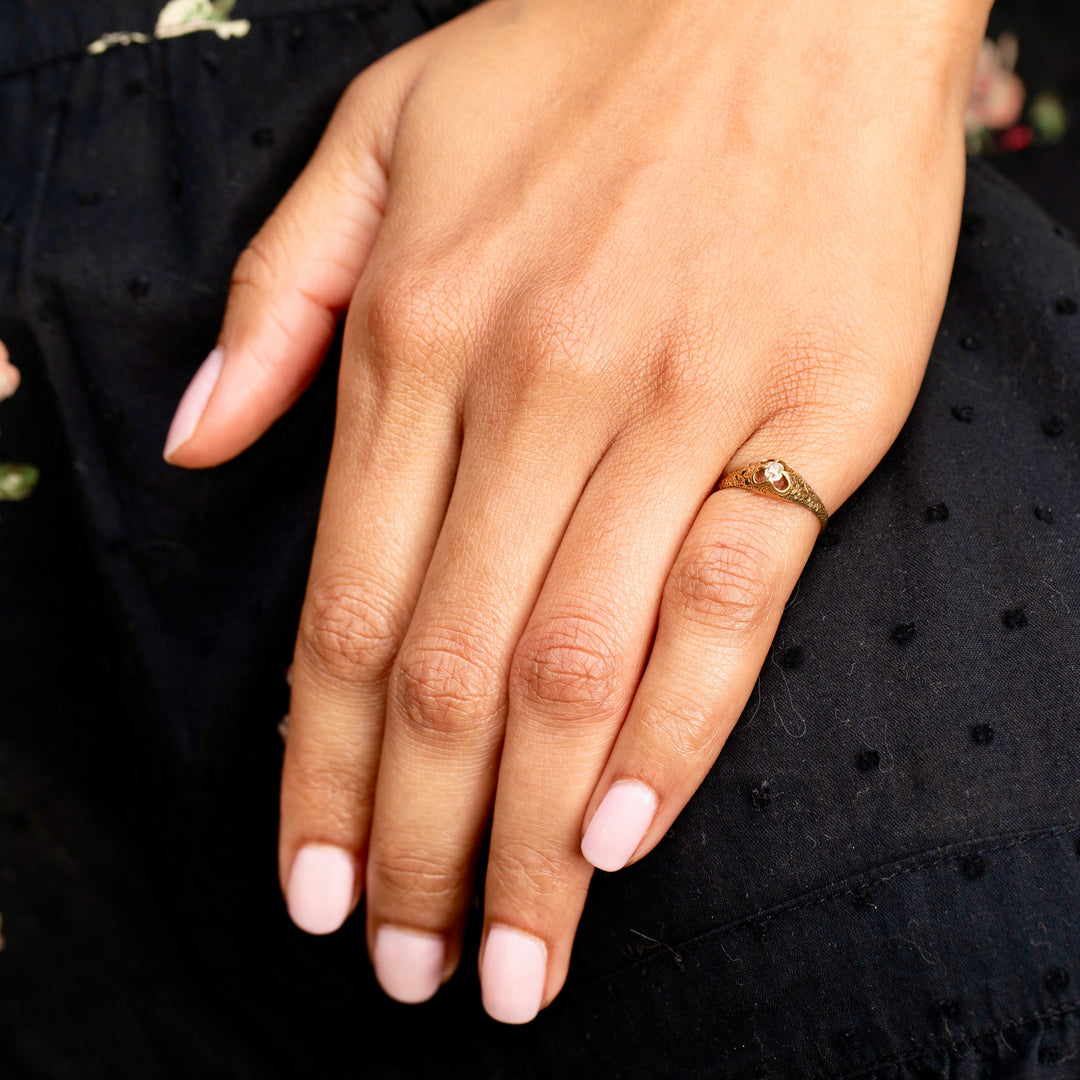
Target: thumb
(295, 278)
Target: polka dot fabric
(917, 862)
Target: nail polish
(193, 403)
(408, 963)
(619, 825)
(512, 975)
(320, 890)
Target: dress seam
(1067, 1008)
(850, 885)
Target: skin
(594, 255)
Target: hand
(594, 255)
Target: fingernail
(619, 825)
(408, 963)
(192, 404)
(512, 975)
(320, 890)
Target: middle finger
(446, 697)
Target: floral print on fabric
(16, 481)
(996, 118)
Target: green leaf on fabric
(17, 482)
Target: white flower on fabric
(122, 37)
(180, 17)
(189, 16)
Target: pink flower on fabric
(9, 375)
(997, 98)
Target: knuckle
(327, 791)
(410, 316)
(395, 303)
(255, 267)
(676, 731)
(567, 663)
(724, 582)
(524, 870)
(559, 339)
(262, 273)
(440, 688)
(409, 876)
(807, 367)
(678, 364)
(348, 630)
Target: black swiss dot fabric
(880, 878)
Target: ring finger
(722, 603)
(723, 599)
(572, 681)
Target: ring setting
(776, 479)
(777, 475)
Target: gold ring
(776, 479)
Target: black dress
(881, 875)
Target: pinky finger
(721, 607)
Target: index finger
(390, 477)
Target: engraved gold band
(774, 478)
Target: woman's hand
(594, 254)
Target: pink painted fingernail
(512, 975)
(408, 963)
(320, 891)
(193, 403)
(619, 825)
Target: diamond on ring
(773, 478)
